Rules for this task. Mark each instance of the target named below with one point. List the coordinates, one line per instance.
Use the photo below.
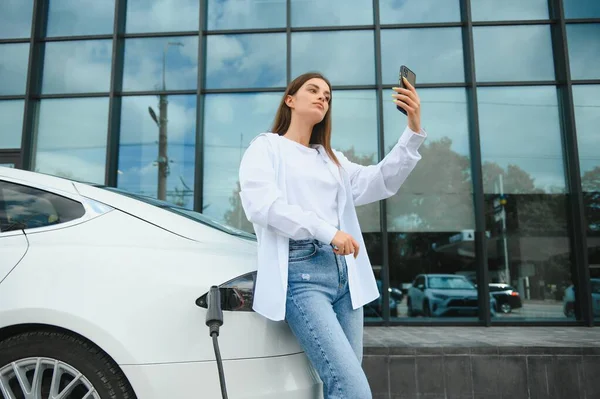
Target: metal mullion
(12, 97)
(54, 96)
(423, 25)
(243, 31)
(582, 21)
(385, 271)
(15, 41)
(150, 35)
(288, 40)
(576, 219)
(244, 90)
(517, 83)
(34, 80)
(114, 101)
(331, 28)
(76, 38)
(199, 153)
(430, 85)
(515, 22)
(155, 93)
(585, 82)
(476, 167)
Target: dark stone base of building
(483, 363)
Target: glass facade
(497, 225)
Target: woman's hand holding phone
(408, 99)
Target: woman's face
(311, 100)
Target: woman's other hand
(344, 244)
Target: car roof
(132, 205)
(39, 179)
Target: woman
(300, 196)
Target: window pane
(232, 14)
(15, 18)
(13, 68)
(582, 8)
(28, 208)
(235, 61)
(225, 141)
(489, 10)
(430, 49)
(587, 118)
(77, 67)
(437, 195)
(496, 46)
(144, 68)
(11, 123)
(331, 12)
(354, 132)
(584, 50)
(162, 16)
(341, 63)
(140, 148)
(430, 220)
(71, 138)
(80, 17)
(406, 12)
(525, 197)
(521, 127)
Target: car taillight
(236, 294)
(514, 293)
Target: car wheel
(426, 309)
(410, 312)
(505, 308)
(45, 364)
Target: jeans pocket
(302, 252)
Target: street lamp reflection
(161, 121)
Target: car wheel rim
(505, 308)
(42, 377)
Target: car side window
(420, 281)
(23, 207)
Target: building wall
(508, 187)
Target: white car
(102, 295)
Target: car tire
(505, 308)
(426, 309)
(409, 312)
(73, 353)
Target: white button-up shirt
(264, 194)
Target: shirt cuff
(412, 139)
(325, 233)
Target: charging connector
(214, 320)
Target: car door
(13, 243)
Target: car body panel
(289, 377)
(158, 275)
(13, 248)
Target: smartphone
(410, 76)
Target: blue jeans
(319, 313)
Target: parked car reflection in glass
(442, 295)
(507, 298)
(569, 299)
(375, 308)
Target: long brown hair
(321, 133)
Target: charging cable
(214, 320)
